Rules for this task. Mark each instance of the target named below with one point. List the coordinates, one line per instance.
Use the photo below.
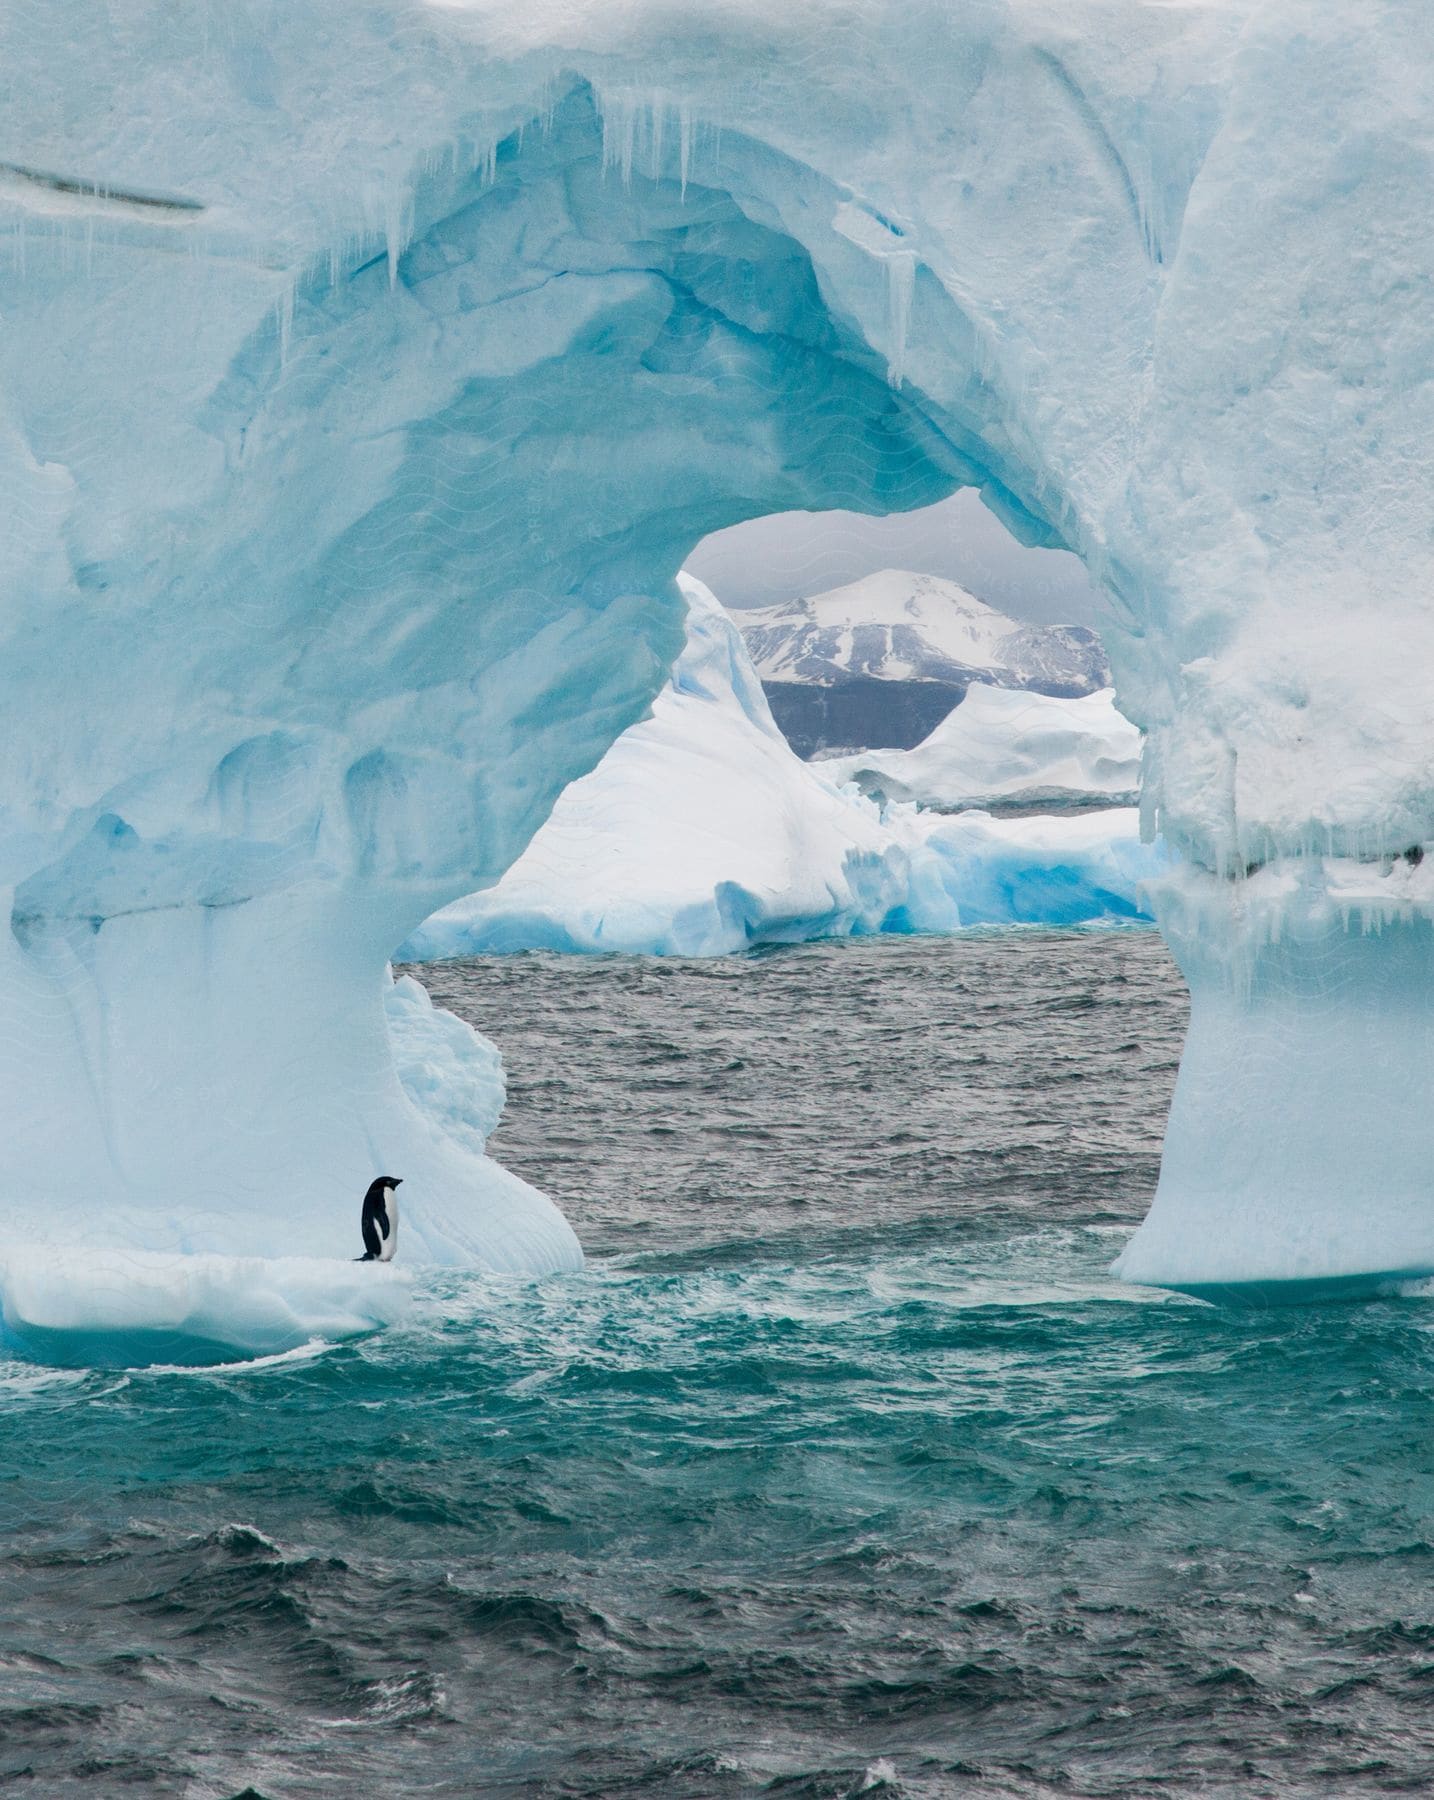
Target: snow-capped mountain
(881, 661)
(897, 626)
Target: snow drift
(364, 384)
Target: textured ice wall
(368, 369)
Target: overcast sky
(789, 554)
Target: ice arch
(367, 370)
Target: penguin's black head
(385, 1181)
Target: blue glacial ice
(366, 380)
(701, 832)
(1077, 868)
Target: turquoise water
(844, 1469)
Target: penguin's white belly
(389, 1244)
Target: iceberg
(1005, 745)
(1311, 977)
(1080, 868)
(365, 382)
(701, 832)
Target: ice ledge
(1299, 896)
(128, 1308)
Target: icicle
(395, 236)
(900, 287)
(619, 133)
(636, 131)
(607, 111)
(657, 120)
(684, 143)
(285, 309)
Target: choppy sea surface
(844, 1469)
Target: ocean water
(844, 1469)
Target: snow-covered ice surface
(1001, 744)
(898, 626)
(368, 371)
(701, 832)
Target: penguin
(380, 1220)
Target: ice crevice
(97, 196)
(348, 536)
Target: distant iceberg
(1078, 868)
(701, 832)
(1004, 745)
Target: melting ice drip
(344, 515)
